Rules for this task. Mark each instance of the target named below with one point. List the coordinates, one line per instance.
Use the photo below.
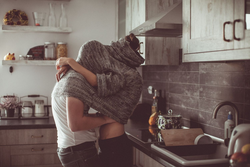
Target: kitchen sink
(195, 155)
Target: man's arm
(78, 122)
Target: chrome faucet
(236, 111)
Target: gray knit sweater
(119, 83)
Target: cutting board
(177, 137)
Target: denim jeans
(116, 152)
(83, 158)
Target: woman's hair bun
(133, 41)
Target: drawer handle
(35, 150)
(37, 136)
(224, 34)
(234, 24)
(141, 43)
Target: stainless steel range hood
(165, 24)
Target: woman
(103, 77)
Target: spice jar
(61, 50)
(49, 51)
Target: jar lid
(171, 115)
(39, 101)
(27, 104)
(60, 43)
(48, 43)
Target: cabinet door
(242, 24)
(142, 160)
(5, 156)
(205, 24)
(155, 50)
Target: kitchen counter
(137, 131)
(27, 124)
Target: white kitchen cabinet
(215, 31)
(155, 50)
(142, 160)
(29, 147)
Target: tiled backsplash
(194, 89)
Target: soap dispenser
(228, 126)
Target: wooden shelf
(9, 28)
(29, 62)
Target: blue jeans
(81, 158)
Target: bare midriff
(111, 130)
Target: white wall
(89, 19)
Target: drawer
(30, 136)
(33, 149)
(34, 155)
(34, 160)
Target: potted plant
(9, 104)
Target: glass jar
(39, 108)
(49, 51)
(22, 57)
(61, 49)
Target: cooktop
(147, 135)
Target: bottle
(155, 103)
(63, 22)
(161, 102)
(52, 16)
(228, 126)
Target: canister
(61, 49)
(49, 51)
(39, 108)
(169, 121)
(27, 110)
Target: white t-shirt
(65, 137)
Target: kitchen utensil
(169, 121)
(39, 108)
(177, 137)
(27, 110)
(39, 18)
(240, 136)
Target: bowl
(39, 18)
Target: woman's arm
(63, 61)
(78, 122)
